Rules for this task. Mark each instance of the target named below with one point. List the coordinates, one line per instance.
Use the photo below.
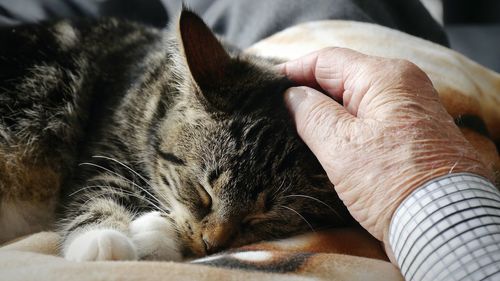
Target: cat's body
(56, 82)
(161, 144)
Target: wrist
(448, 226)
(445, 162)
(418, 182)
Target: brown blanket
(313, 256)
(465, 88)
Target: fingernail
(294, 97)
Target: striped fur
(130, 125)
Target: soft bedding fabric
(35, 258)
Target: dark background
(473, 28)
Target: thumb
(319, 119)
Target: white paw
(155, 238)
(100, 245)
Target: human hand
(390, 136)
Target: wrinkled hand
(389, 137)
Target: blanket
(467, 90)
(316, 256)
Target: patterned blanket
(470, 93)
(332, 255)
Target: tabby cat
(149, 144)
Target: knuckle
(405, 66)
(330, 49)
(408, 70)
(335, 52)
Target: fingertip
(294, 96)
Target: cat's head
(228, 162)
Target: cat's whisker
(146, 200)
(286, 188)
(126, 166)
(282, 185)
(162, 196)
(121, 191)
(94, 196)
(317, 200)
(135, 173)
(78, 190)
(106, 189)
(298, 214)
(88, 187)
(121, 176)
(279, 189)
(104, 193)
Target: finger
(319, 119)
(301, 71)
(327, 69)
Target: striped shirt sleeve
(449, 229)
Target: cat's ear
(205, 56)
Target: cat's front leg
(99, 231)
(105, 230)
(155, 237)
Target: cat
(140, 143)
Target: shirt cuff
(449, 229)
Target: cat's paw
(100, 245)
(155, 237)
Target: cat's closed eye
(253, 220)
(205, 198)
(170, 157)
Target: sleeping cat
(150, 144)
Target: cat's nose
(217, 237)
(209, 247)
